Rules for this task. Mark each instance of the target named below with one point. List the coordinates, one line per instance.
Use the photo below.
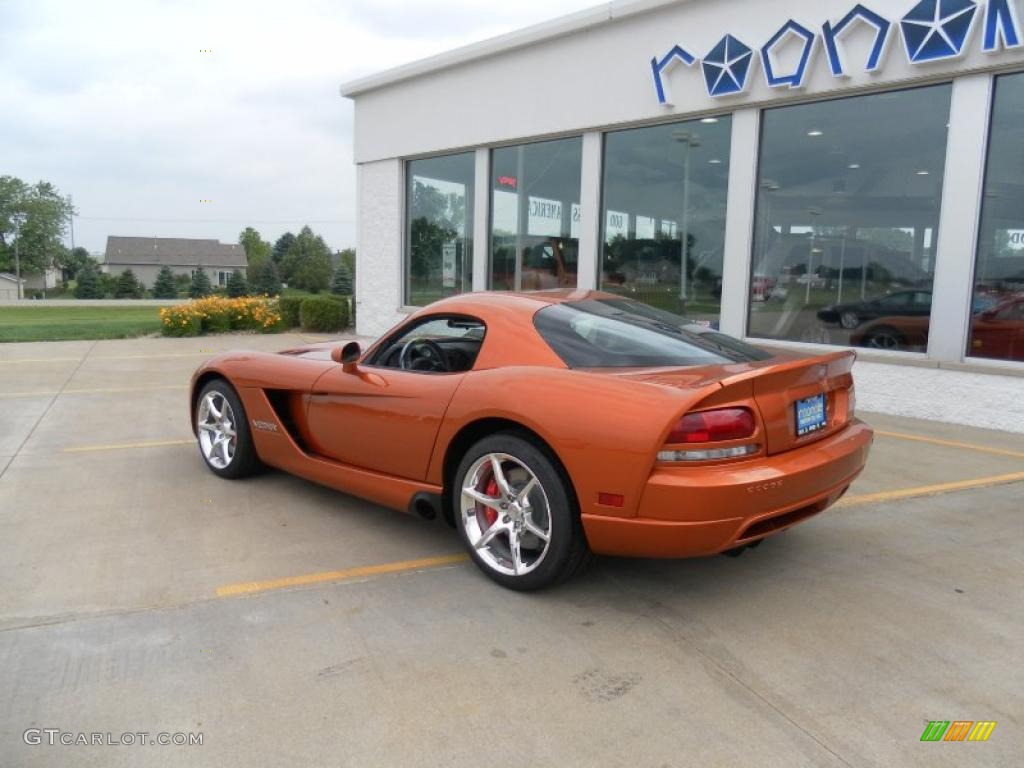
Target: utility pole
(71, 229)
(16, 220)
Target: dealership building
(822, 174)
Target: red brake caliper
(488, 514)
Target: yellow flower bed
(217, 314)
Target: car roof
(526, 301)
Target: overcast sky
(115, 104)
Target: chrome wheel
(505, 514)
(849, 320)
(215, 422)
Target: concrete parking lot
(291, 625)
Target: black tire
(567, 553)
(885, 337)
(244, 461)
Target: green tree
(200, 286)
(257, 250)
(341, 284)
(308, 262)
(89, 285)
(282, 246)
(128, 286)
(267, 282)
(43, 212)
(347, 256)
(165, 287)
(237, 286)
(72, 261)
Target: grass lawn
(70, 323)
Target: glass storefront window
(439, 228)
(535, 215)
(997, 311)
(847, 216)
(663, 185)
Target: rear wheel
(849, 320)
(517, 514)
(222, 430)
(885, 338)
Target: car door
(381, 417)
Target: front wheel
(222, 430)
(517, 514)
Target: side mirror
(348, 356)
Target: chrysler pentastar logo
(937, 29)
(726, 67)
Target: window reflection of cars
(901, 303)
(548, 265)
(999, 332)
(996, 331)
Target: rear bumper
(685, 512)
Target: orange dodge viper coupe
(548, 426)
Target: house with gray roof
(146, 255)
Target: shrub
(200, 286)
(128, 286)
(215, 314)
(89, 285)
(165, 287)
(322, 315)
(266, 281)
(237, 286)
(289, 311)
(341, 285)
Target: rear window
(621, 333)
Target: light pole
(691, 140)
(17, 219)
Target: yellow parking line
(42, 360)
(91, 390)
(951, 443)
(929, 490)
(123, 446)
(250, 587)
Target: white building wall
(380, 192)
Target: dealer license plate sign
(810, 415)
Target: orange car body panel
(384, 434)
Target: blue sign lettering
(658, 67)
(831, 33)
(785, 33)
(1001, 25)
(932, 30)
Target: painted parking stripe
(929, 490)
(91, 391)
(425, 563)
(126, 446)
(950, 443)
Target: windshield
(621, 333)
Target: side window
(923, 299)
(894, 301)
(433, 344)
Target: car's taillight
(712, 426)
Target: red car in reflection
(996, 333)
